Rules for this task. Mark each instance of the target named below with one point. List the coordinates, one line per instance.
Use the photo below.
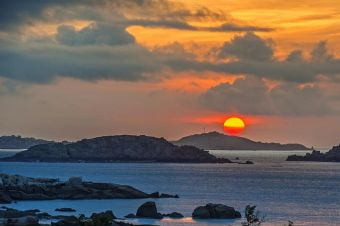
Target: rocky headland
(332, 155)
(15, 188)
(122, 148)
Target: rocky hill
(218, 141)
(18, 142)
(332, 155)
(116, 148)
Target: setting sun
(234, 126)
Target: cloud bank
(105, 50)
(252, 96)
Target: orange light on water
(234, 126)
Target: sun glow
(234, 126)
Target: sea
(307, 193)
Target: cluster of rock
(12, 217)
(15, 187)
(124, 148)
(209, 211)
(332, 155)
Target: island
(119, 148)
(18, 142)
(219, 141)
(333, 155)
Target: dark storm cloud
(251, 96)
(94, 34)
(105, 50)
(151, 13)
(17, 13)
(42, 64)
(102, 50)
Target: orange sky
(296, 23)
(170, 103)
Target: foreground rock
(13, 217)
(97, 219)
(217, 211)
(149, 210)
(332, 155)
(14, 187)
(116, 148)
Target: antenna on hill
(203, 129)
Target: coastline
(232, 184)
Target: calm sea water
(306, 193)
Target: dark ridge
(218, 141)
(122, 148)
(18, 142)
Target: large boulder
(22, 221)
(201, 212)
(148, 210)
(217, 211)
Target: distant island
(332, 155)
(219, 141)
(121, 148)
(18, 142)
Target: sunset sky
(72, 69)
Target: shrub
(252, 216)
